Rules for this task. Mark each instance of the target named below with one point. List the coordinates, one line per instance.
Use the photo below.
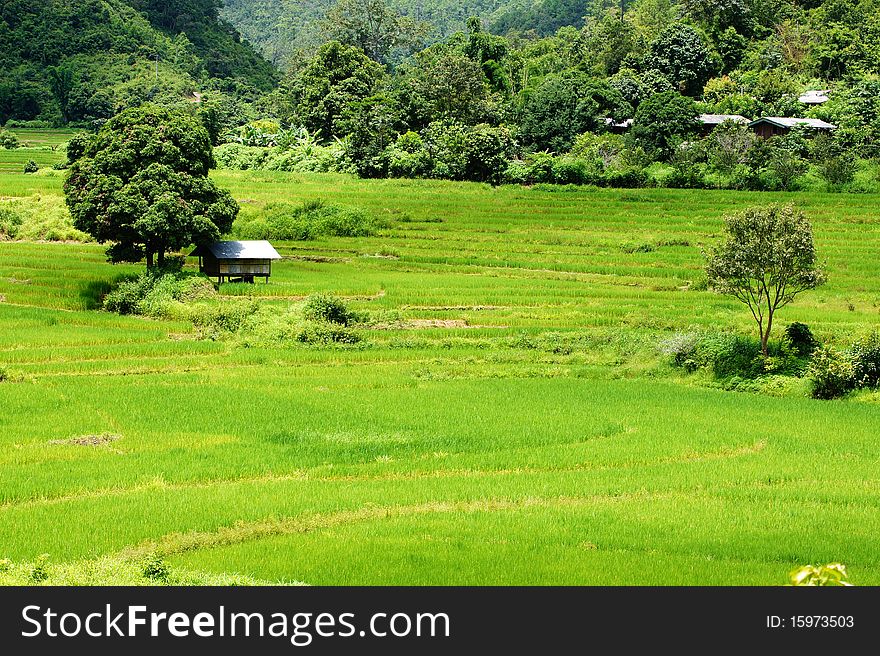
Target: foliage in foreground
(147, 570)
(833, 574)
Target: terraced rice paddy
(518, 427)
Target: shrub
(517, 172)
(31, 166)
(155, 568)
(833, 574)
(328, 308)
(40, 570)
(225, 317)
(77, 145)
(865, 357)
(573, 171)
(326, 333)
(631, 178)
(127, 296)
(801, 339)
(239, 157)
(8, 139)
(734, 355)
(152, 293)
(682, 348)
(838, 170)
(10, 223)
(831, 373)
(408, 157)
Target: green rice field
(515, 424)
(45, 147)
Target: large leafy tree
(663, 121)
(566, 105)
(335, 78)
(767, 258)
(142, 185)
(375, 28)
(443, 83)
(682, 54)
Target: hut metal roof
(787, 122)
(718, 119)
(239, 250)
(814, 97)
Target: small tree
(766, 260)
(142, 184)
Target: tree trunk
(149, 259)
(161, 257)
(766, 336)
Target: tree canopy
(766, 260)
(142, 185)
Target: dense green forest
(65, 61)
(281, 29)
(604, 93)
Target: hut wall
(244, 267)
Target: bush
(10, 223)
(865, 358)
(733, 355)
(682, 348)
(153, 293)
(573, 171)
(31, 166)
(831, 373)
(77, 145)
(40, 570)
(127, 296)
(832, 574)
(408, 157)
(328, 308)
(154, 568)
(800, 338)
(839, 170)
(631, 178)
(225, 317)
(8, 139)
(239, 157)
(326, 333)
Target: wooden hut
(237, 261)
(771, 126)
(709, 122)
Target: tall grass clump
(310, 220)
(38, 218)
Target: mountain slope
(278, 28)
(82, 60)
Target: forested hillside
(280, 28)
(76, 61)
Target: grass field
(45, 147)
(519, 427)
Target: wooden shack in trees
(773, 126)
(237, 261)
